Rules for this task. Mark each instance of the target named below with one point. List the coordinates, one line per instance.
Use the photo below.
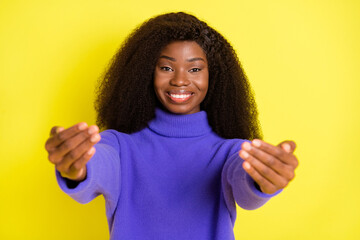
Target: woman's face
(181, 77)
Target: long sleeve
(239, 187)
(103, 174)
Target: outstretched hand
(271, 167)
(70, 149)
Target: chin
(181, 110)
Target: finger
(56, 130)
(79, 175)
(288, 146)
(59, 129)
(81, 162)
(72, 143)
(77, 152)
(265, 171)
(278, 152)
(265, 185)
(62, 135)
(76, 170)
(282, 169)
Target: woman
(175, 161)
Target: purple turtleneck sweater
(175, 179)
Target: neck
(175, 125)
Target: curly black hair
(126, 99)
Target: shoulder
(114, 138)
(232, 146)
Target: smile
(179, 98)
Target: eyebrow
(188, 60)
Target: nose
(180, 79)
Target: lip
(179, 91)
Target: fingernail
(91, 151)
(256, 142)
(92, 130)
(244, 154)
(247, 146)
(94, 138)
(246, 165)
(287, 147)
(82, 126)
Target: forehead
(183, 49)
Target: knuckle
(48, 148)
(296, 163)
(270, 161)
(61, 168)
(283, 184)
(84, 134)
(52, 158)
(77, 166)
(79, 163)
(250, 160)
(61, 136)
(67, 145)
(73, 154)
(262, 181)
(279, 152)
(291, 175)
(265, 171)
(272, 189)
(47, 145)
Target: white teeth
(180, 95)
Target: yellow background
(302, 58)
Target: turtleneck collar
(174, 125)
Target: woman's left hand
(271, 167)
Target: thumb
(288, 146)
(56, 130)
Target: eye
(195, 70)
(167, 69)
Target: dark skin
(181, 77)
(180, 82)
(70, 149)
(271, 167)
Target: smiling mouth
(180, 97)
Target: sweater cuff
(81, 186)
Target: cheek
(204, 83)
(158, 88)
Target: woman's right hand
(70, 149)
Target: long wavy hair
(126, 99)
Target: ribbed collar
(174, 125)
